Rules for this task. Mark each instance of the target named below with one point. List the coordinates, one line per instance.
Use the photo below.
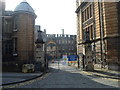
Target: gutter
(81, 5)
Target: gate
(69, 65)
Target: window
(88, 13)
(15, 45)
(87, 34)
(84, 35)
(66, 42)
(59, 41)
(83, 17)
(91, 11)
(62, 41)
(6, 49)
(69, 41)
(51, 47)
(91, 32)
(15, 23)
(72, 42)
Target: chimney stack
(62, 31)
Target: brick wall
(110, 18)
(25, 36)
(112, 30)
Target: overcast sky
(52, 15)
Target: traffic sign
(72, 58)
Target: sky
(52, 15)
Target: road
(63, 76)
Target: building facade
(98, 33)
(18, 35)
(58, 45)
(2, 9)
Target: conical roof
(24, 7)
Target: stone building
(98, 33)
(18, 35)
(58, 45)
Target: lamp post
(46, 63)
(78, 62)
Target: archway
(51, 50)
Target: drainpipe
(101, 31)
(94, 37)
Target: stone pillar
(89, 59)
(39, 56)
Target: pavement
(102, 72)
(108, 73)
(13, 77)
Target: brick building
(98, 33)
(18, 35)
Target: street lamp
(46, 63)
(78, 62)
